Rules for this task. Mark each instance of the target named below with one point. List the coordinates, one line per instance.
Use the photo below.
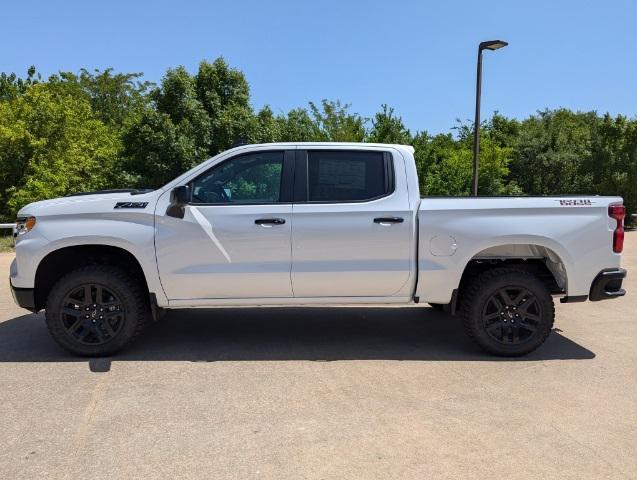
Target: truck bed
(454, 231)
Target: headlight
(24, 225)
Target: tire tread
(142, 313)
(473, 289)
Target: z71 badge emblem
(131, 205)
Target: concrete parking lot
(323, 394)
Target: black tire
(507, 311)
(439, 307)
(96, 310)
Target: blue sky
(417, 56)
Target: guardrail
(10, 226)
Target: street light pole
(490, 45)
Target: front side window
(346, 176)
(252, 178)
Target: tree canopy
(90, 130)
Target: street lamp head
(492, 45)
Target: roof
(327, 144)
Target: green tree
(194, 117)
(612, 167)
(224, 94)
(451, 173)
(117, 99)
(297, 126)
(103, 129)
(550, 151)
(332, 122)
(12, 86)
(52, 145)
(267, 127)
(157, 150)
(388, 128)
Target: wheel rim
(92, 314)
(512, 315)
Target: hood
(97, 202)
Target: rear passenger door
(352, 224)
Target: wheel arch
(542, 261)
(530, 256)
(61, 261)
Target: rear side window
(348, 176)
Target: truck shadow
(279, 334)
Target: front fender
(135, 235)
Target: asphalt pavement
(324, 393)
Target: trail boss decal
(130, 205)
(575, 203)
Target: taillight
(618, 212)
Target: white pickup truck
(312, 224)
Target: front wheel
(507, 311)
(96, 310)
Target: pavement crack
(81, 434)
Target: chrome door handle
(268, 222)
(388, 220)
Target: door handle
(268, 222)
(388, 220)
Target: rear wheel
(507, 311)
(96, 310)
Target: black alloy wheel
(508, 311)
(92, 314)
(97, 310)
(511, 315)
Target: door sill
(285, 302)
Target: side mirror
(180, 196)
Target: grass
(6, 243)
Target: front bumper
(607, 285)
(24, 297)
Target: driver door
(234, 240)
